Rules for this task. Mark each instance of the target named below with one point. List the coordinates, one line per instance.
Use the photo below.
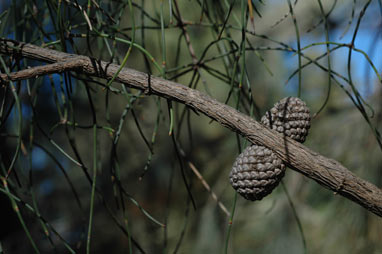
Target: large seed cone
(256, 172)
(289, 116)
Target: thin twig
(204, 183)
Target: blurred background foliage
(246, 54)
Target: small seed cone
(289, 116)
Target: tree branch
(37, 71)
(327, 172)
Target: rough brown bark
(327, 172)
